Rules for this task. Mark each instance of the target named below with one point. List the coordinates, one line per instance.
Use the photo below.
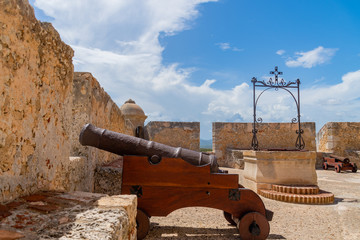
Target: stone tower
(134, 118)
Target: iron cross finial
(276, 73)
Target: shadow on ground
(177, 233)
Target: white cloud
(344, 93)
(235, 49)
(321, 79)
(98, 24)
(333, 103)
(317, 56)
(226, 46)
(117, 41)
(280, 52)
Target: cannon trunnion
(172, 183)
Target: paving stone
(83, 197)
(44, 208)
(14, 204)
(60, 202)
(74, 215)
(10, 235)
(4, 211)
(35, 198)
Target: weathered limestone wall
(43, 106)
(176, 134)
(36, 76)
(91, 104)
(340, 138)
(270, 135)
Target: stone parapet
(175, 134)
(127, 227)
(73, 215)
(91, 104)
(43, 106)
(340, 138)
(75, 172)
(36, 81)
(108, 178)
(270, 136)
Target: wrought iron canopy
(277, 84)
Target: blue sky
(193, 60)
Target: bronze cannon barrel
(123, 144)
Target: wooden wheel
(354, 168)
(228, 218)
(253, 225)
(325, 166)
(142, 224)
(337, 168)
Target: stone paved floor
(340, 220)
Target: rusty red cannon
(339, 163)
(165, 179)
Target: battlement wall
(43, 106)
(36, 79)
(228, 135)
(175, 134)
(91, 104)
(340, 138)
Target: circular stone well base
(298, 194)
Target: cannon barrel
(340, 158)
(123, 144)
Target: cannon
(338, 163)
(123, 144)
(165, 179)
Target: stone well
(265, 168)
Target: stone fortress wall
(44, 105)
(36, 81)
(340, 138)
(91, 104)
(230, 138)
(175, 134)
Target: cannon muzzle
(123, 144)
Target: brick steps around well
(296, 189)
(298, 194)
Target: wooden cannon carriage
(339, 163)
(166, 179)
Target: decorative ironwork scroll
(277, 84)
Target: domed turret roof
(130, 108)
